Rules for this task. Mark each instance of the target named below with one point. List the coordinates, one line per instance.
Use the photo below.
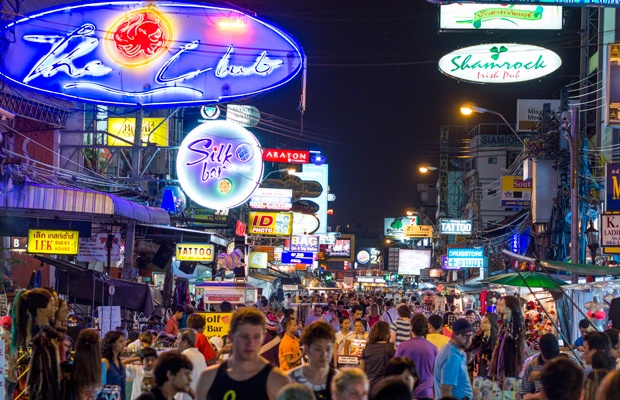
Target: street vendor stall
(230, 291)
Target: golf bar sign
(499, 63)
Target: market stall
(209, 293)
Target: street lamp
(592, 240)
(468, 109)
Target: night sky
(376, 99)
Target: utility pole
(573, 140)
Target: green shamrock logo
(497, 51)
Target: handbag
(109, 392)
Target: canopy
(84, 286)
(581, 269)
(522, 279)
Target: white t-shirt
(135, 372)
(199, 363)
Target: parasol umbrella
(523, 279)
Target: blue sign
(151, 54)
(465, 258)
(612, 183)
(291, 257)
(569, 3)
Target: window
(492, 160)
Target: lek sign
(148, 54)
(499, 63)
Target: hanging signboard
(43, 241)
(450, 226)
(286, 156)
(305, 243)
(219, 165)
(500, 16)
(269, 223)
(395, 227)
(529, 112)
(194, 252)
(95, 248)
(419, 231)
(465, 258)
(271, 199)
(612, 185)
(154, 131)
(499, 63)
(217, 324)
(157, 54)
(297, 257)
(516, 192)
(246, 116)
(571, 3)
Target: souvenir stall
(210, 293)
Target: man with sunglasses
(450, 374)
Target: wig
(509, 351)
(25, 307)
(87, 361)
(492, 317)
(44, 374)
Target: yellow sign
(218, 324)
(125, 128)
(270, 223)
(42, 241)
(419, 231)
(194, 252)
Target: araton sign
(499, 63)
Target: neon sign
(499, 63)
(157, 55)
(219, 164)
(568, 3)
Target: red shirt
(202, 344)
(172, 326)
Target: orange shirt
(289, 345)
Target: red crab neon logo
(138, 38)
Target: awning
(262, 277)
(32, 197)
(85, 286)
(581, 269)
(173, 233)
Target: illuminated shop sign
(516, 192)
(499, 16)
(42, 241)
(194, 252)
(154, 131)
(449, 226)
(298, 257)
(305, 243)
(499, 63)
(160, 54)
(419, 231)
(571, 3)
(219, 165)
(272, 199)
(369, 256)
(286, 156)
(269, 223)
(465, 258)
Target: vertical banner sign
(516, 192)
(613, 85)
(612, 183)
(2, 368)
(443, 171)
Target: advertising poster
(194, 252)
(269, 223)
(500, 16)
(42, 241)
(516, 192)
(218, 324)
(95, 248)
(154, 131)
(612, 185)
(410, 262)
(613, 85)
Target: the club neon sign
(163, 54)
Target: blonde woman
(350, 384)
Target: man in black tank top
(245, 375)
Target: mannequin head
(507, 307)
(489, 325)
(60, 319)
(34, 307)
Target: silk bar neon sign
(163, 54)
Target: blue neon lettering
(262, 66)
(220, 157)
(62, 55)
(190, 46)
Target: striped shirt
(402, 330)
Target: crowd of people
(348, 347)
